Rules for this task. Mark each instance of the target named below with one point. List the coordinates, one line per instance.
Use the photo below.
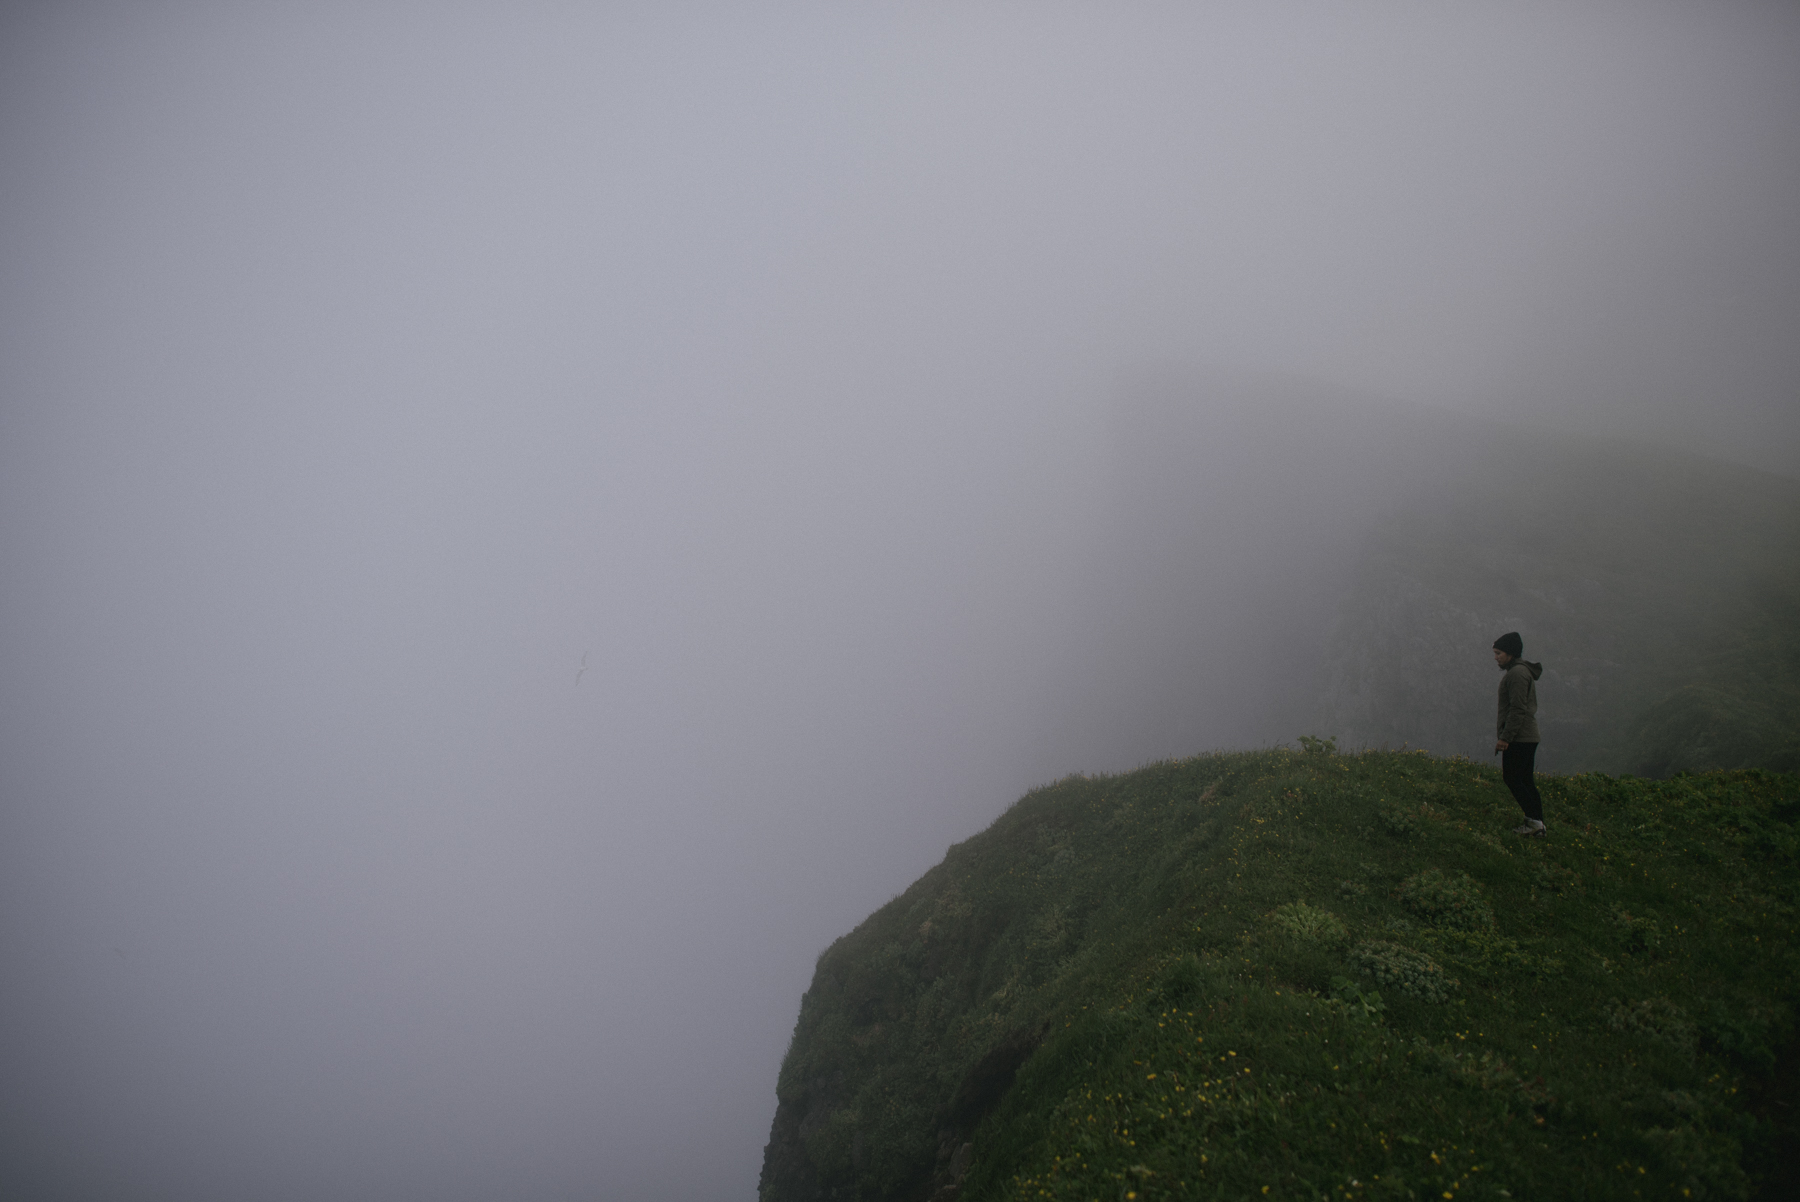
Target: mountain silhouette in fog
(1283, 559)
(1661, 591)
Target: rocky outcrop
(790, 1175)
(788, 1172)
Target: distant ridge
(1280, 559)
(1661, 591)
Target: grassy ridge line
(1331, 976)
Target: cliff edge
(1305, 974)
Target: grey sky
(365, 366)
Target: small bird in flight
(582, 668)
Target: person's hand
(1501, 744)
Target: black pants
(1516, 764)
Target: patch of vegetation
(1402, 968)
(1223, 977)
(1655, 1018)
(1447, 901)
(1310, 923)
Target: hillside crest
(1304, 974)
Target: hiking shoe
(1530, 828)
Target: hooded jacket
(1518, 702)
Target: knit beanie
(1511, 643)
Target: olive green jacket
(1518, 702)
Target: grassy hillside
(1310, 975)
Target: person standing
(1516, 734)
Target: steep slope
(1316, 975)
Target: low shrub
(1364, 1007)
(1400, 821)
(1401, 968)
(1656, 1019)
(1641, 934)
(1309, 923)
(1447, 901)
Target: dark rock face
(981, 1091)
(789, 1175)
(991, 1077)
(787, 1171)
(953, 1165)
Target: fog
(521, 523)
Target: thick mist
(522, 523)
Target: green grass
(1307, 975)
